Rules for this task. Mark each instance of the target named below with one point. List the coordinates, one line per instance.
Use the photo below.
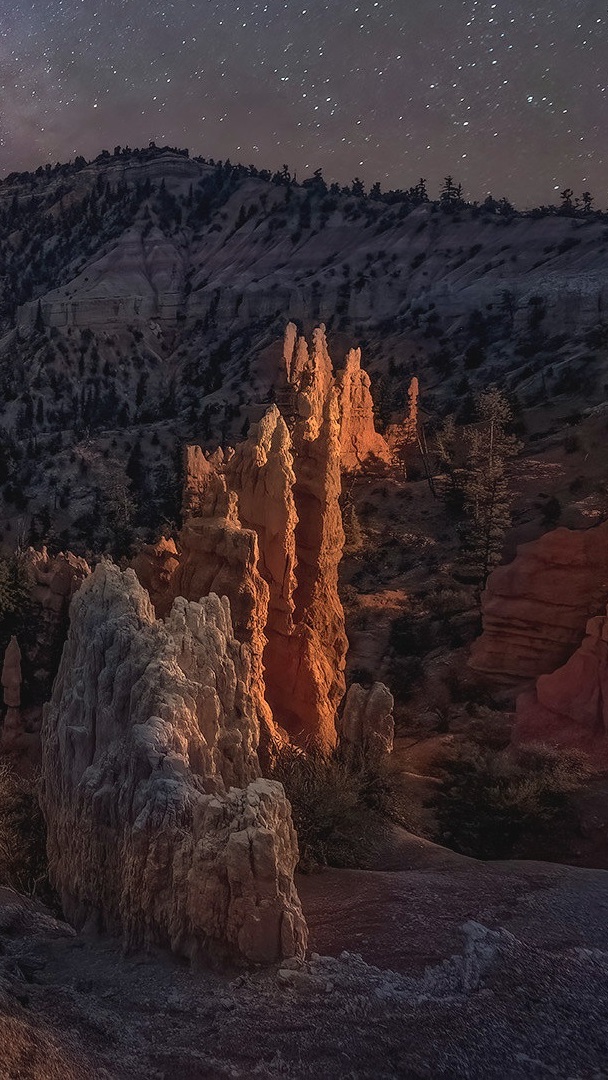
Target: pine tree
(486, 489)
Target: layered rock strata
(159, 826)
(535, 609)
(569, 707)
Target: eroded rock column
(159, 826)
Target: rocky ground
(495, 971)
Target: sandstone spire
(359, 440)
(13, 735)
(263, 526)
(310, 374)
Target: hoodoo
(159, 825)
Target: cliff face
(535, 609)
(569, 707)
(159, 826)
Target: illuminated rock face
(535, 609)
(310, 373)
(159, 826)
(267, 533)
(218, 555)
(314, 661)
(155, 566)
(570, 706)
(263, 526)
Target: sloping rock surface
(485, 973)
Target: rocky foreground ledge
(501, 972)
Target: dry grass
(22, 834)
(492, 800)
(340, 811)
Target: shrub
(340, 812)
(551, 511)
(411, 635)
(490, 801)
(22, 834)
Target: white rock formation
(149, 726)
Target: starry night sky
(508, 97)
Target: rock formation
(366, 728)
(54, 579)
(359, 440)
(401, 437)
(535, 609)
(310, 375)
(218, 555)
(314, 684)
(159, 826)
(11, 675)
(14, 738)
(155, 566)
(570, 706)
(263, 526)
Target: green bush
(490, 801)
